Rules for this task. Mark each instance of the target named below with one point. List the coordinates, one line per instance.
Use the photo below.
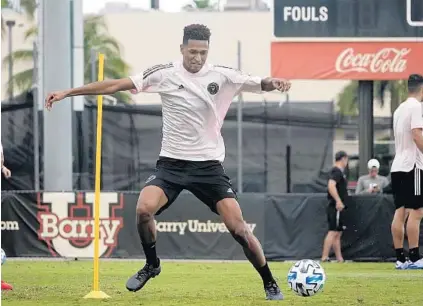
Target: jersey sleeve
(150, 80)
(336, 175)
(417, 117)
(242, 82)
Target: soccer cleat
(6, 286)
(273, 293)
(417, 265)
(401, 265)
(137, 281)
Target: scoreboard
(348, 18)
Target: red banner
(346, 60)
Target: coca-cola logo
(385, 60)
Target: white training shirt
(408, 116)
(194, 106)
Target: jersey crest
(213, 88)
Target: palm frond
(19, 56)
(105, 41)
(3, 28)
(95, 21)
(29, 6)
(123, 97)
(95, 37)
(22, 80)
(202, 4)
(118, 64)
(348, 99)
(31, 32)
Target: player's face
(195, 54)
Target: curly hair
(196, 32)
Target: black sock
(400, 254)
(150, 254)
(414, 254)
(265, 274)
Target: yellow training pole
(96, 293)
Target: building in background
(154, 38)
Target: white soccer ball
(3, 257)
(306, 277)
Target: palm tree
(201, 5)
(4, 4)
(95, 37)
(28, 7)
(348, 98)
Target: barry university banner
(289, 226)
(346, 60)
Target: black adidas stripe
(155, 68)
(226, 67)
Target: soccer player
(407, 174)
(337, 194)
(6, 172)
(195, 99)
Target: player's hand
(54, 96)
(281, 84)
(6, 172)
(340, 206)
(371, 189)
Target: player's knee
(241, 233)
(416, 214)
(144, 211)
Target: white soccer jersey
(408, 116)
(194, 106)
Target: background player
(337, 194)
(407, 174)
(195, 99)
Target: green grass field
(46, 283)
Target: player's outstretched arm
(270, 84)
(106, 87)
(244, 82)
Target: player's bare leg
(413, 234)
(397, 229)
(151, 199)
(231, 215)
(328, 244)
(337, 247)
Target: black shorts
(207, 180)
(407, 188)
(335, 218)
